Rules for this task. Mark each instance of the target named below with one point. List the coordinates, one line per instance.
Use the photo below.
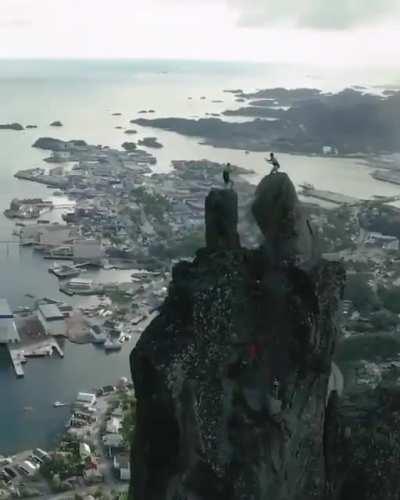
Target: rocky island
(302, 121)
(56, 123)
(11, 126)
(129, 146)
(150, 142)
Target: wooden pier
(17, 359)
(19, 355)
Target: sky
(323, 32)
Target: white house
(329, 150)
(113, 440)
(86, 398)
(123, 466)
(113, 425)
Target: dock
(17, 359)
(330, 196)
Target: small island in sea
(11, 126)
(150, 142)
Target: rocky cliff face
(231, 378)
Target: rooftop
(50, 312)
(5, 311)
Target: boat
(110, 345)
(64, 271)
(97, 334)
(59, 404)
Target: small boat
(28, 408)
(110, 345)
(58, 404)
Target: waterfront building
(86, 398)
(8, 330)
(52, 319)
(88, 250)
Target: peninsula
(304, 121)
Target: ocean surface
(83, 95)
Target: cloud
(315, 14)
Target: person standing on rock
(275, 163)
(226, 174)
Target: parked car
(11, 472)
(22, 471)
(35, 460)
(5, 477)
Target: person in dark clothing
(274, 162)
(226, 174)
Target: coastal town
(121, 215)
(91, 459)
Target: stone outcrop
(279, 215)
(221, 209)
(232, 378)
(11, 126)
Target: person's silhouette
(275, 163)
(226, 174)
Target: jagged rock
(281, 219)
(11, 126)
(363, 450)
(211, 424)
(221, 210)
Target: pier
(17, 359)
(19, 355)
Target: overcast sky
(340, 32)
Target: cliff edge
(232, 377)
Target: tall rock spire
(231, 378)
